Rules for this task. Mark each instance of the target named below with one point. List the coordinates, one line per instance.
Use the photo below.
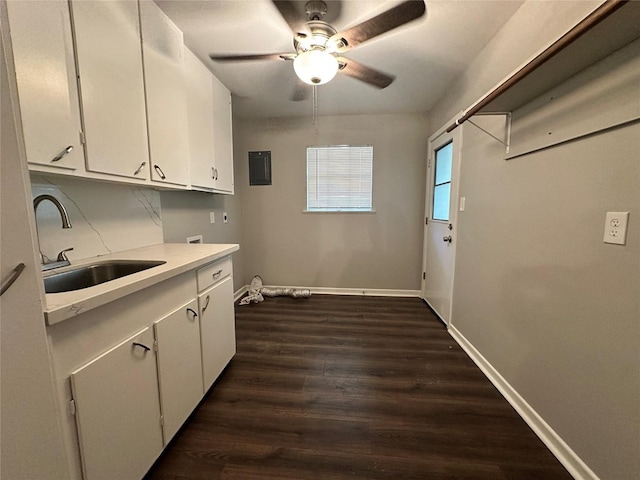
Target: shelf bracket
(606, 8)
(507, 129)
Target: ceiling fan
(319, 46)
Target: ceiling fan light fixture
(316, 67)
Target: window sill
(338, 211)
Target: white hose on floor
(257, 292)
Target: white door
(31, 437)
(200, 122)
(440, 221)
(47, 87)
(109, 58)
(223, 136)
(118, 411)
(163, 59)
(217, 330)
(179, 366)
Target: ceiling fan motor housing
(321, 32)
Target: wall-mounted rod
(590, 21)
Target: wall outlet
(225, 217)
(212, 217)
(195, 239)
(615, 228)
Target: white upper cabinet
(108, 91)
(209, 114)
(47, 88)
(111, 86)
(163, 56)
(200, 122)
(223, 137)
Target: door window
(442, 182)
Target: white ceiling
(425, 55)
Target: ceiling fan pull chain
(315, 106)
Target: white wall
(285, 246)
(105, 218)
(535, 25)
(551, 307)
(186, 214)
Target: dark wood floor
(336, 387)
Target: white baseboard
(569, 459)
(240, 293)
(373, 292)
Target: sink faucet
(62, 259)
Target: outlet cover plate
(615, 228)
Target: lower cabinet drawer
(213, 273)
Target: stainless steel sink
(95, 274)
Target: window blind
(339, 178)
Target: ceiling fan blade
(365, 74)
(291, 15)
(399, 15)
(240, 58)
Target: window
(442, 182)
(339, 178)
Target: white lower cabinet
(217, 329)
(117, 410)
(179, 366)
(129, 397)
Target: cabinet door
(217, 329)
(223, 137)
(179, 366)
(47, 88)
(200, 122)
(163, 55)
(118, 412)
(111, 86)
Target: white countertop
(179, 258)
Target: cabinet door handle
(213, 173)
(62, 154)
(206, 303)
(140, 168)
(192, 311)
(14, 276)
(160, 172)
(141, 345)
(217, 274)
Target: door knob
(447, 239)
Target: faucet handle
(62, 256)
